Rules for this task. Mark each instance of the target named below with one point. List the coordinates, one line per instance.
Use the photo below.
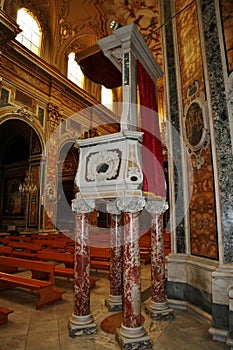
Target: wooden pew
(4, 312)
(53, 245)
(39, 269)
(5, 250)
(45, 289)
(65, 258)
(25, 249)
(100, 258)
(47, 293)
(145, 247)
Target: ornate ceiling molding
(8, 29)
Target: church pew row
(66, 259)
(26, 250)
(4, 312)
(100, 258)
(46, 290)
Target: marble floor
(46, 329)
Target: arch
(24, 118)
(68, 157)
(20, 155)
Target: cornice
(8, 29)
(33, 71)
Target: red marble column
(132, 333)
(158, 307)
(81, 321)
(114, 302)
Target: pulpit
(125, 169)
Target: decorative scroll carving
(82, 206)
(103, 165)
(112, 208)
(131, 204)
(24, 113)
(134, 171)
(50, 191)
(54, 116)
(156, 206)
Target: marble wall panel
(174, 120)
(221, 125)
(202, 213)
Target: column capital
(112, 208)
(83, 206)
(156, 206)
(131, 204)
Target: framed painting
(14, 200)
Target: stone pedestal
(132, 334)
(81, 321)
(114, 302)
(158, 307)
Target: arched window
(75, 73)
(107, 97)
(31, 32)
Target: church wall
(202, 212)
(58, 110)
(202, 277)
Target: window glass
(31, 33)
(75, 73)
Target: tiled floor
(46, 329)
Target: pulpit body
(110, 166)
(121, 169)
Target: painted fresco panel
(203, 233)
(189, 46)
(202, 211)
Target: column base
(81, 325)
(114, 303)
(133, 338)
(159, 311)
(219, 335)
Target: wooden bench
(5, 250)
(39, 269)
(45, 289)
(100, 258)
(145, 247)
(4, 312)
(65, 258)
(25, 249)
(53, 245)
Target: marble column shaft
(158, 307)
(157, 260)
(116, 255)
(81, 321)
(82, 266)
(131, 268)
